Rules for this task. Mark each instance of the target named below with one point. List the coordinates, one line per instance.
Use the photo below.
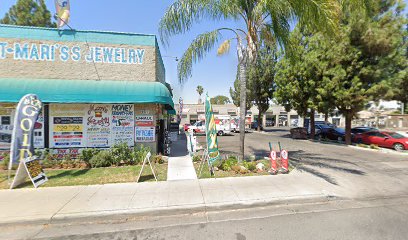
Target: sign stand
(205, 158)
(147, 158)
(29, 167)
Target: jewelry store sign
(28, 51)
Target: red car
(384, 139)
(186, 125)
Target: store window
(5, 120)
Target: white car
(221, 125)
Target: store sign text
(53, 52)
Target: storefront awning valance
(86, 91)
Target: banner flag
(63, 12)
(211, 135)
(22, 142)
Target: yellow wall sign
(68, 128)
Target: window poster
(39, 132)
(67, 125)
(6, 125)
(144, 134)
(122, 124)
(144, 120)
(98, 124)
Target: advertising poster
(98, 124)
(67, 125)
(74, 153)
(144, 134)
(122, 124)
(6, 125)
(6, 129)
(39, 132)
(144, 120)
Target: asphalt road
(374, 219)
(355, 171)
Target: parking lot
(335, 163)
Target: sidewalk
(45, 205)
(180, 163)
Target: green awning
(86, 91)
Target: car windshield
(395, 135)
(340, 130)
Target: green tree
(263, 19)
(261, 80)
(200, 91)
(220, 100)
(29, 13)
(299, 76)
(365, 57)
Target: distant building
(275, 116)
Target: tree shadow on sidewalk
(315, 163)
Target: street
(358, 219)
(356, 172)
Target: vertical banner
(211, 134)
(123, 124)
(22, 144)
(63, 12)
(180, 115)
(98, 125)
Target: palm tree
(200, 91)
(263, 19)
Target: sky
(216, 74)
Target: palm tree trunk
(259, 121)
(242, 110)
(242, 63)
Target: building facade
(275, 116)
(97, 88)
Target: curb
(118, 216)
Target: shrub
(5, 160)
(139, 153)
(101, 159)
(122, 154)
(158, 159)
(251, 166)
(227, 164)
(196, 158)
(87, 154)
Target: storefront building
(98, 88)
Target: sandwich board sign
(29, 167)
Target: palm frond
(195, 52)
(319, 15)
(224, 47)
(182, 14)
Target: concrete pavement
(180, 165)
(45, 205)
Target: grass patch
(73, 177)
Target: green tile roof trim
(67, 35)
(86, 91)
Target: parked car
(186, 125)
(384, 139)
(358, 130)
(334, 134)
(254, 125)
(322, 128)
(325, 123)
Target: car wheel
(398, 147)
(220, 133)
(359, 141)
(339, 139)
